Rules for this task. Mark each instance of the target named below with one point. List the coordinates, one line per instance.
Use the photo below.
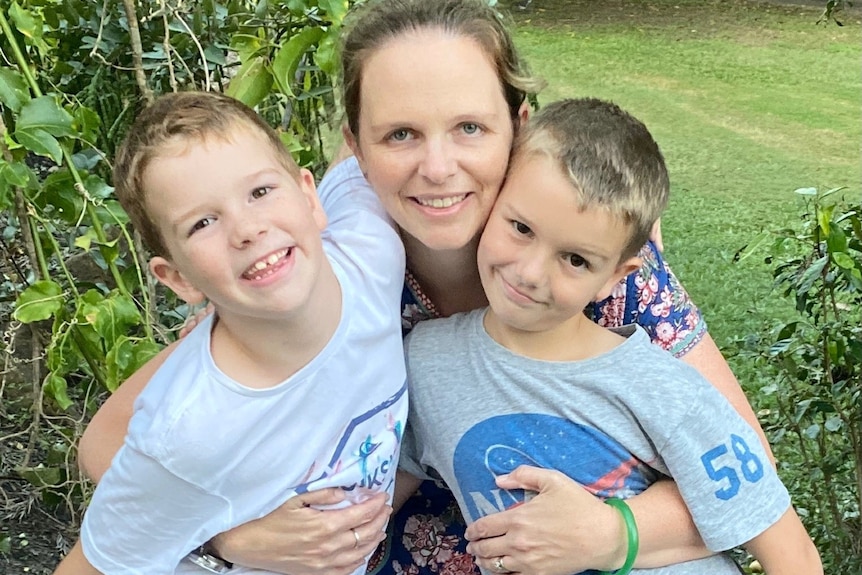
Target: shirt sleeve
(722, 471)
(143, 519)
(653, 298)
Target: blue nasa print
(500, 444)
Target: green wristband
(631, 535)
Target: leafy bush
(812, 370)
(84, 313)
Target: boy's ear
(167, 273)
(309, 190)
(624, 268)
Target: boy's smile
(543, 257)
(243, 232)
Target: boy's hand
(195, 320)
(298, 539)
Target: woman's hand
(564, 529)
(298, 539)
(191, 322)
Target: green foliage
(78, 72)
(813, 367)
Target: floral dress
(427, 535)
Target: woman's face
(434, 135)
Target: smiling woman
(434, 94)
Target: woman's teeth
(441, 202)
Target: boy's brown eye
(200, 224)
(577, 261)
(521, 228)
(259, 192)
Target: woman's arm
(707, 359)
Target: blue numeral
(752, 468)
(721, 473)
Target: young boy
(295, 383)
(540, 384)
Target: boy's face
(542, 258)
(240, 230)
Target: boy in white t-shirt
(295, 383)
(533, 381)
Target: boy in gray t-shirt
(531, 380)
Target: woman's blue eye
(400, 135)
(521, 228)
(470, 128)
(259, 192)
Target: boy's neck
(260, 353)
(577, 339)
(449, 278)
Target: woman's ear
(353, 143)
(167, 273)
(624, 268)
(524, 113)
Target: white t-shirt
(204, 453)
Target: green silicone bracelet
(631, 535)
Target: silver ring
(355, 536)
(499, 567)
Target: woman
(434, 92)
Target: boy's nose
(439, 163)
(248, 230)
(531, 269)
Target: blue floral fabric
(427, 535)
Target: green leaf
(39, 301)
(41, 476)
(812, 431)
(806, 191)
(55, 388)
(811, 274)
(337, 9)
(30, 27)
(58, 191)
(252, 83)
(13, 90)
(44, 113)
(126, 357)
(40, 142)
(842, 260)
(326, 55)
(111, 317)
(834, 423)
(287, 58)
(86, 124)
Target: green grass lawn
(748, 101)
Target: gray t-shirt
(615, 423)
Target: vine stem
(137, 50)
(98, 229)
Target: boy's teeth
(272, 259)
(441, 202)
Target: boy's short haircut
(180, 120)
(610, 157)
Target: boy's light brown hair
(609, 156)
(171, 124)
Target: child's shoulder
(445, 332)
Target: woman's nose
(439, 162)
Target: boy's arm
(786, 549)
(75, 563)
(406, 485)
